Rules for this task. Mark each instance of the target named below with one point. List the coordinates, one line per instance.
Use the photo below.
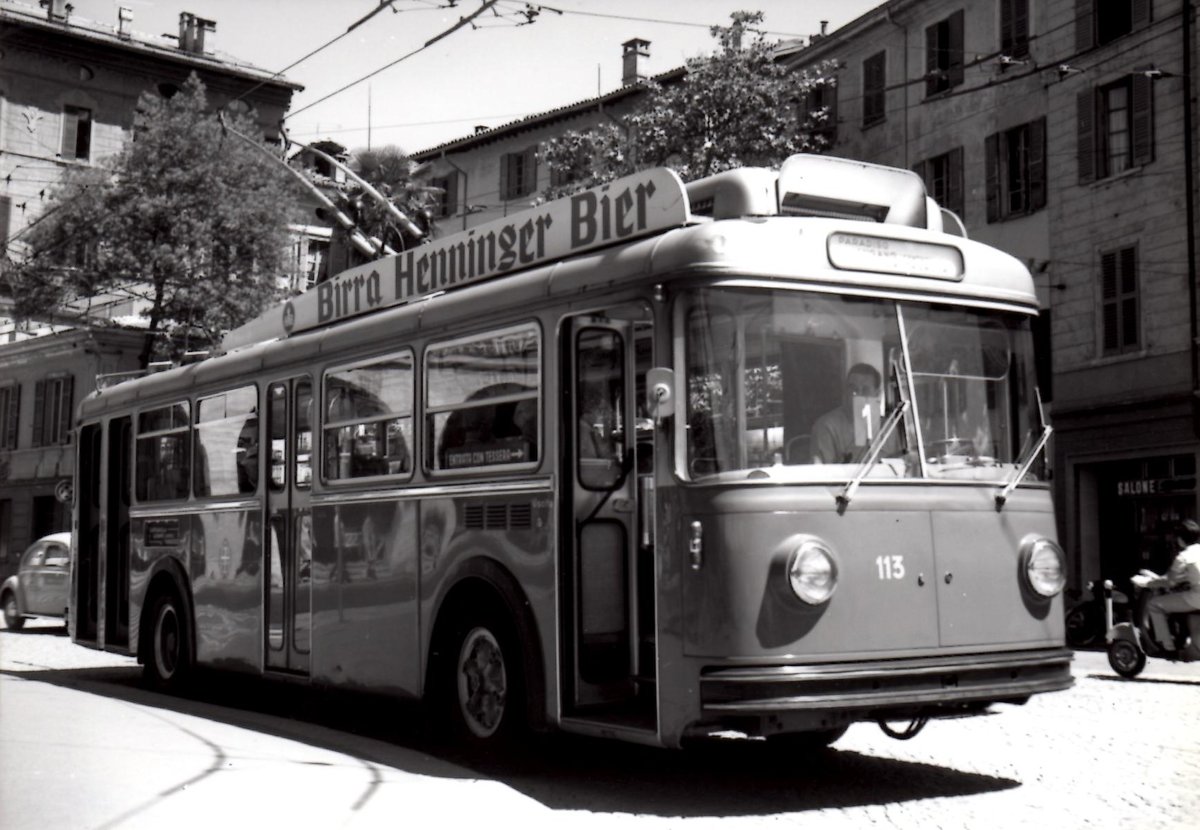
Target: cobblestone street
(1107, 753)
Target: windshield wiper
(876, 446)
(1023, 468)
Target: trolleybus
(761, 453)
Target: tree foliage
(737, 107)
(187, 218)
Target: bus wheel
(12, 619)
(168, 658)
(805, 742)
(482, 692)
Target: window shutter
(992, 171)
(505, 164)
(1108, 297)
(14, 412)
(67, 410)
(1085, 151)
(1017, 45)
(450, 199)
(1085, 27)
(1129, 297)
(954, 182)
(39, 406)
(70, 134)
(931, 60)
(1006, 26)
(1037, 164)
(1140, 14)
(529, 171)
(1141, 114)
(5, 216)
(955, 49)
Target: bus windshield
(795, 385)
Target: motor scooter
(1131, 642)
(1087, 621)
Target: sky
(489, 73)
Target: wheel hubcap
(166, 644)
(482, 682)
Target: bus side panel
(364, 591)
(226, 570)
(153, 539)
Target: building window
(1098, 22)
(1119, 301)
(1016, 171)
(819, 113)
(874, 83)
(52, 411)
(1014, 28)
(446, 196)
(76, 134)
(1116, 128)
(10, 407)
(518, 173)
(944, 54)
(943, 177)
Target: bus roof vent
(749, 191)
(811, 185)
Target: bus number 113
(890, 567)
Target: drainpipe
(1190, 210)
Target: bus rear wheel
(481, 687)
(168, 657)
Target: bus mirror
(660, 393)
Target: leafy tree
(737, 107)
(187, 218)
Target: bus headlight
(812, 572)
(1043, 565)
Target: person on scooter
(1180, 587)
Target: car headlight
(812, 572)
(1044, 566)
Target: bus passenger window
(226, 436)
(163, 452)
(368, 419)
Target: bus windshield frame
(793, 385)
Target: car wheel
(481, 687)
(12, 618)
(168, 658)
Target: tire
(802, 743)
(168, 658)
(12, 618)
(1126, 658)
(481, 694)
(1081, 630)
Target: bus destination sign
(644, 203)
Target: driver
(833, 433)
(1181, 589)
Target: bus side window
(368, 419)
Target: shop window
(518, 173)
(874, 85)
(10, 408)
(1120, 301)
(76, 134)
(944, 54)
(1016, 171)
(1116, 128)
(368, 414)
(53, 403)
(1014, 28)
(943, 177)
(482, 400)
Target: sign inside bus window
(638, 205)
(858, 252)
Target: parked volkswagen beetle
(41, 584)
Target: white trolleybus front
(760, 453)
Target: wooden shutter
(1129, 297)
(39, 407)
(931, 60)
(1085, 150)
(505, 164)
(70, 133)
(954, 182)
(66, 409)
(1141, 115)
(992, 172)
(1140, 13)
(955, 49)
(1110, 334)
(529, 171)
(5, 216)
(1085, 25)
(11, 416)
(1037, 164)
(450, 197)
(1014, 28)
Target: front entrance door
(289, 525)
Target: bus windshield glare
(795, 385)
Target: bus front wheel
(168, 657)
(481, 686)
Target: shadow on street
(712, 778)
